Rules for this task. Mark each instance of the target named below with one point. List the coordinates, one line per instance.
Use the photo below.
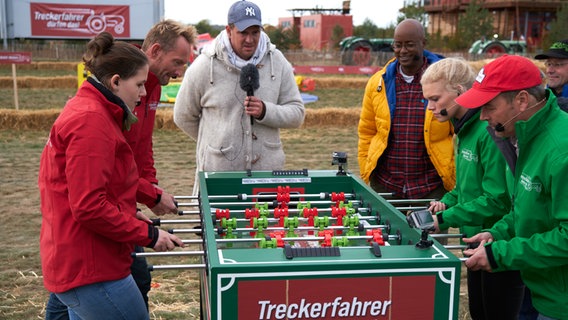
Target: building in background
(316, 25)
(512, 18)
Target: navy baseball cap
(244, 14)
(558, 50)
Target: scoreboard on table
(316, 245)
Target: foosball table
(317, 244)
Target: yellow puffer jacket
(375, 122)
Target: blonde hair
(456, 73)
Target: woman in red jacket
(88, 181)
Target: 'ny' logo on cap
(249, 11)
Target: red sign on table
(357, 298)
(15, 57)
(79, 20)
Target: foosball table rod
(298, 211)
(176, 266)
(300, 219)
(308, 228)
(167, 254)
(447, 235)
(244, 196)
(275, 203)
(159, 222)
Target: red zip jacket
(139, 138)
(87, 182)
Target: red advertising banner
(15, 57)
(336, 69)
(356, 298)
(79, 20)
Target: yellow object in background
(82, 74)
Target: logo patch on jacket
(529, 185)
(468, 155)
(153, 105)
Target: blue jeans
(543, 317)
(528, 312)
(55, 309)
(113, 300)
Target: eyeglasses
(396, 46)
(554, 65)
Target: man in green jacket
(481, 196)
(533, 237)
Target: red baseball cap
(506, 73)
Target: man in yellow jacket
(402, 148)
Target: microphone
(444, 111)
(249, 81)
(501, 127)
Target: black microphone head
(249, 79)
(499, 127)
(444, 112)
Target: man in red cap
(532, 238)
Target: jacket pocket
(222, 159)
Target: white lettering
(325, 306)
(356, 304)
(303, 309)
(293, 311)
(263, 305)
(344, 309)
(53, 16)
(317, 310)
(280, 312)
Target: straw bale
(340, 82)
(325, 117)
(331, 117)
(28, 120)
(477, 65)
(43, 65)
(43, 119)
(40, 82)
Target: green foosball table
(316, 245)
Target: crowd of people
(488, 148)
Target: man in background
(556, 67)
(402, 148)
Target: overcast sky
(381, 12)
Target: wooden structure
(512, 19)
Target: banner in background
(77, 20)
